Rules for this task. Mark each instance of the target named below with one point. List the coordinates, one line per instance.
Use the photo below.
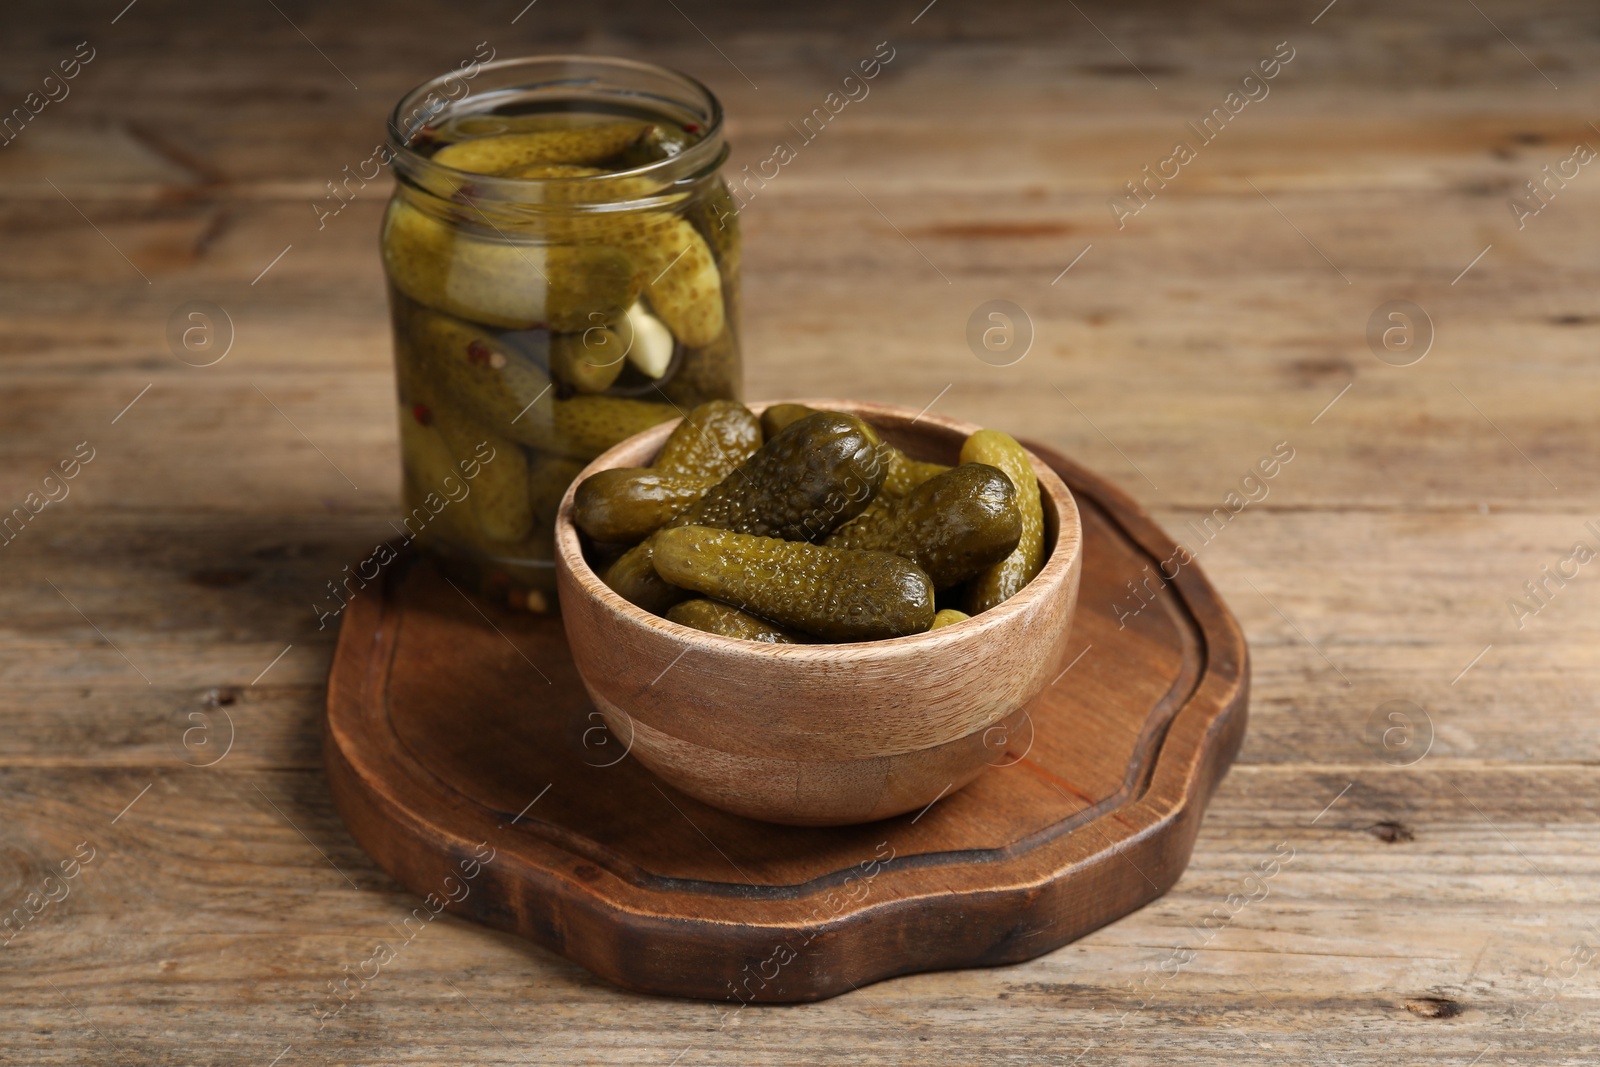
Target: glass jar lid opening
(553, 89)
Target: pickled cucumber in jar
(562, 275)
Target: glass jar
(563, 264)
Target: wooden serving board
(466, 759)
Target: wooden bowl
(821, 735)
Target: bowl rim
(1058, 566)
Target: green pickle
(558, 304)
(713, 439)
(717, 219)
(998, 583)
(902, 473)
(779, 416)
(428, 462)
(482, 277)
(633, 577)
(905, 474)
(836, 594)
(499, 498)
(672, 261)
(816, 475)
(443, 497)
(660, 141)
(625, 505)
(718, 618)
(954, 525)
(489, 379)
(585, 426)
(948, 617)
(680, 274)
(582, 145)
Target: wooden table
(1439, 905)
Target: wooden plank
(204, 888)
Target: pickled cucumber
(439, 481)
(516, 286)
(628, 504)
(997, 583)
(447, 458)
(832, 593)
(685, 286)
(716, 618)
(668, 256)
(952, 526)
(492, 381)
(704, 373)
(904, 473)
(633, 577)
(580, 145)
(671, 260)
(901, 473)
(816, 475)
(713, 439)
(507, 392)
(716, 216)
(779, 416)
(948, 617)
(551, 170)
(589, 361)
(424, 456)
(585, 426)
(660, 141)
(499, 498)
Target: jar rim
(412, 113)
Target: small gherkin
(510, 395)
(901, 473)
(837, 594)
(624, 505)
(811, 478)
(627, 504)
(485, 277)
(713, 439)
(998, 583)
(500, 153)
(718, 618)
(952, 526)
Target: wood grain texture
(1428, 914)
